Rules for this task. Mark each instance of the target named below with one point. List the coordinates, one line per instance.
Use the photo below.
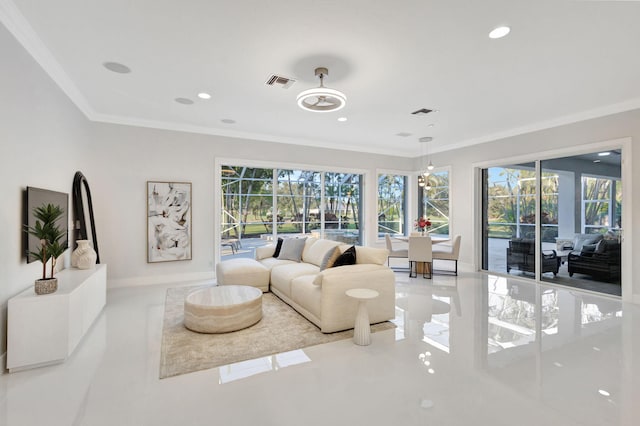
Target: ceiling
(563, 61)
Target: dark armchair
(521, 255)
(601, 260)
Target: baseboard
(161, 279)
(3, 364)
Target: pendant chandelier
(322, 99)
(423, 178)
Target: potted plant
(51, 244)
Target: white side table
(362, 329)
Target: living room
(47, 137)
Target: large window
(392, 204)
(259, 204)
(298, 201)
(433, 202)
(601, 204)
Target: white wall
(125, 158)
(608, 128)
(43, 140)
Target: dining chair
(420, 251)
(448, 251)
(400, 253)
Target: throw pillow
(601, 247)
(329, 258)
(292, 249)
(346, 258)
(278, 248)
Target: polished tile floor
(472, 350)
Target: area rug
(281, 329)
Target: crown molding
(17, 25)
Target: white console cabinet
(46, 329)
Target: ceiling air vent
(422, 111)
(278, 80)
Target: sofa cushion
(316, 252)
(346, 258)
(292, 249)
(601, 247)
(270, 262)
(265, 251)
(310, 242)
(581, 239)
(377, 256)
(282, 275)
(330, 258)
(276, 253)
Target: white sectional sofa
(320, 295)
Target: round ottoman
(222, 309)
(243, 271)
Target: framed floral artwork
(168, 221)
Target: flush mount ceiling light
(499, 32)
(322, 99)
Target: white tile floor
(475, 349)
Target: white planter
(84, 257)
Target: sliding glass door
(509, 219)
(573, 238)
(587, 218)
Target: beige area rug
(281, 329)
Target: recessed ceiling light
(431, 125)
(342, 119)
(228, 121)
(204, 95)
(499, 32)
(184, 101)
(117, 67)
(603, 392)
(604, 154)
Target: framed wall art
(168, 221)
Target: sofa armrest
(265, 251)
(338, 310)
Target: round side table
(362, 329)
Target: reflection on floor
(472, 349)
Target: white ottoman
(243, 271)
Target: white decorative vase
(84, 257)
